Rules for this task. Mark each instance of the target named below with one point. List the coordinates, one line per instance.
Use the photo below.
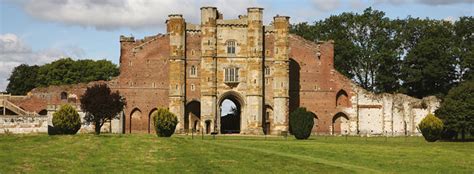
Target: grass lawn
(230, 154)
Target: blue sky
(40, 31)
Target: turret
(281, 72)
(176, 31)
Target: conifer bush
(301, 123)
(66, 120)
(431, 127)
(165, 122)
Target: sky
(41, 31)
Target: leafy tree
(165, 122)
(66, 120)
(431, 128)
(101, 105)
(367, 47)
(457, 109)
(464, 47)
(60, 72)
(429, 68)
(301, 123)
(23, 79)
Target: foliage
(101, 105)
(367, 47)
(301, 123)
(431, 127)
(60, 72)
(457, 109)
(420, 57)
(165, 122)
(66, 120)
(428, 67)
(23, 79)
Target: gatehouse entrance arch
(230, 110)
(192, 117)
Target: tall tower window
(231, 47)
(267, 70)
(193, 72)
(231, 75)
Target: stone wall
(23, 124)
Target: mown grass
(230, 154)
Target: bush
(431, 127)
(165, 122)
(301, 123)
(66, 120)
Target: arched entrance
(230, 113)
(267, 119)
(135, 120)
(192, 117)
(337, 121)
(151, 124)
(315, 125)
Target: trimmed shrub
(431, 127)
(301, 123)
(165, 122)
(66, 120)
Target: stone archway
(337, 121)
(192, 117)
(230, 110)
(342, 99)
(151, 124)
(267, 120)
(136, 121)
(315, 125)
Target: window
(231, 75)
(267, 70)
(231, 47)
(193, 87)
(63, 96)
(193, 71)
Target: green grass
(230, 154)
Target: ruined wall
(143, 80)
(315, 84)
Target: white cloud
(113, 14)
(14, 51)
(327, 5)
(426, 2)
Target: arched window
(63, 95)
(193, 71)
(231, 47)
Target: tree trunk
(97, 127)
(463, 134)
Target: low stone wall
(23, 124)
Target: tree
(457, 109)
(66, 120)
(165, 122)
(60, 72)
(101, 105)
(23, 79)
(429, 66)
(464, 47)
(367, 47)
(431, 128)
(301, 123)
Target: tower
(281, 73)
(209, 115)
(254, 95)
(176, 31)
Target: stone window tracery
(231, 47)
(231, 75)
(193, 72)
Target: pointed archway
(337, 121)
(192, 117)
(230, 120)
